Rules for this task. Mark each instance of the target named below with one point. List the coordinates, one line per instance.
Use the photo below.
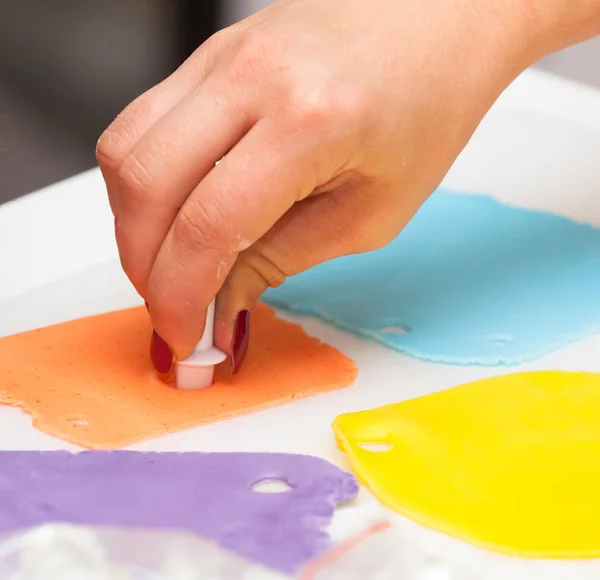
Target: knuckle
(198, 229)
(324, 102)
(375, 243)
(370, 235)
(252, 58)
(272, 276)
(270, 265)
(110, 150)
(134, 178)
(220, 38)
(371, 223)
(120, 136)
(197, 66)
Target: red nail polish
(161, 354)
(241, 334)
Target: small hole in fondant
(500, 339)
(396, 329)
(78, 421)
(271, 486)
(375, 446)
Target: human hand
(334, 120)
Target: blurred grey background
(67, 67)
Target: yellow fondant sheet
(511, 463)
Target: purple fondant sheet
(207, 493)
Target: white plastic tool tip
(197, 371)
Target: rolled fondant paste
(91, 382)
(511, 464)
(469, 281)
(210, 494)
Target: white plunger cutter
(196, 371)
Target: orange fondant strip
(90, 381)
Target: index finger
(142, 113)
(235, 204)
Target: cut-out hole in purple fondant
(271, 486)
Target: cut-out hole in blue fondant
(500, 339)
(397, 329)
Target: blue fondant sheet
(469, 281)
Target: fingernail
(241, 333)
(161, 354)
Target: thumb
(320, 228)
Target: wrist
(556, 24)
(525, 31)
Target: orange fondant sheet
(90, 381)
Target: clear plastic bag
(374, 551)
(66, 552)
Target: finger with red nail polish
(241, 335)
(161, 354)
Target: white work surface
(538, 147)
